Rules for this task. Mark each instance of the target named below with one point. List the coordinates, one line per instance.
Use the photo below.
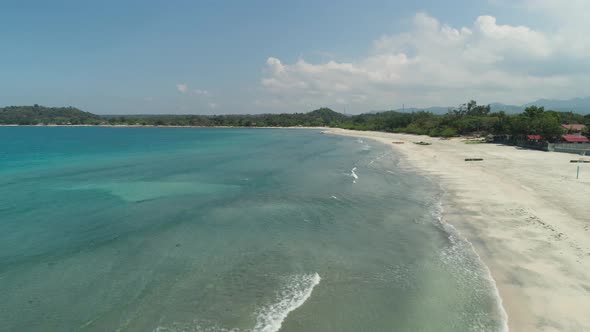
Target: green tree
(448, 132)
(547, 125)
(532, 112)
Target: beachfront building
(572, 143)
(569, 143)
(575, 138)
(573, 128)
(534, 138)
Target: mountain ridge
(579, 105)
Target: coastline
(525, 215)
(152, 126)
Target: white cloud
(182, 88)
(199, 92)
(436, 64)
(212, 105)
(569, 21)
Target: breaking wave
(296, 290)
(454, 255)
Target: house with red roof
(574, 134)
(573, 128)
(534, 138)
(575, 138)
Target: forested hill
(33, 115)
(465, 119)
(40, 115)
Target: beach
(526, 215)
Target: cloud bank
(433, 63)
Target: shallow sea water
(136, 229)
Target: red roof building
(575, 139)
(534, 137)
(574, 127)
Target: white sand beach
(527, 216)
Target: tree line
(34, 115)
(468, 118)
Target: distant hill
(327, 115)
(509, 109)
(576, 105)
(41, 115)
(495, 107)
(33, 115)
(434, 110)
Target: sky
(224, 56)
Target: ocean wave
(378, 158)
(296, 290)
(454, 255)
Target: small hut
(575, 138)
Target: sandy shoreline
(527, 217)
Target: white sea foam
(456, 238)
(378, 158)
(353, 174)
(336, 198)
(296, 291)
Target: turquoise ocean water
(113, 229)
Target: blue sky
(256, 56)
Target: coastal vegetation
(468, 118)
(34, 115)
